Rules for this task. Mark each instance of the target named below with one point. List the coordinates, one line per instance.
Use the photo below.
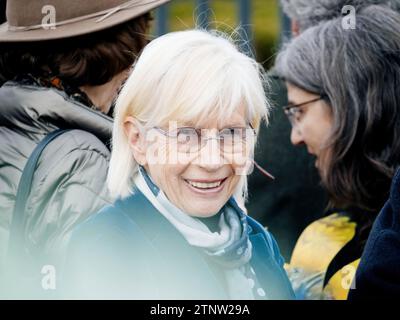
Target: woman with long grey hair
(344, 105)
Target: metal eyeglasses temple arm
(263, 171)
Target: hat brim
(77, 28)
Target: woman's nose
(210, 157)
(296, 136)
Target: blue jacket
(130, 251)
(378, 275)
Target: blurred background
(261, 22)
(2, 11)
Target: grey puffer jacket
(69, 182)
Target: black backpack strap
(16, 239)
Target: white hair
(191, 75)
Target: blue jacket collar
(163, 236)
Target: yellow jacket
(317, 247)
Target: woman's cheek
(241, 163)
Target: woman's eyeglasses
(231, 141)
(191, 140)
(294, 112)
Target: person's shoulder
(378, 275)
(335, 227)
(75, 160)
(380, 256)
(396, 178)
(395, 195)
(116, 218)
(76, 153)
(106, 233)
(385, 233)
(83, 141)
(388, 219)
(108, 220)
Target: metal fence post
(162, 20)
(286, 32)
(202, 13)
(244, 10)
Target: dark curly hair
(92, 59)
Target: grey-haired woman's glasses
(294, 112)
(231, 140)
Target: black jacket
(378, 275)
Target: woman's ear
(136, 139)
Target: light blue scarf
(229, 248)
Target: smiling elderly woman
(184, 134)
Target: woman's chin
(204, 210)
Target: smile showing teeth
(202, 185)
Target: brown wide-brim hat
(41, 20)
